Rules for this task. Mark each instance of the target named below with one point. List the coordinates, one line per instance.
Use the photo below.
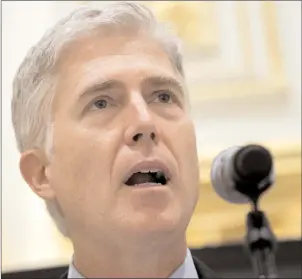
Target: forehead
(122, 57)
(117, 51)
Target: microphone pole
(260, 240)
(261, 244)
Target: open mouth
(156, 177)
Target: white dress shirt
(186, 270)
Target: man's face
(119, 108)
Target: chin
(151, 221)
(154, 211)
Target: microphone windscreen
(240, 174)
(222, 177)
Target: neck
(140, 258)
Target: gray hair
(35, 81)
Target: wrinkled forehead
(112, 57)
(108, 45)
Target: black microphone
(242, 174)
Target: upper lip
(154, 164)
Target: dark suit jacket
(202, 270)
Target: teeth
(159, 174)
(151, 170)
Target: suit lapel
(202, 270)
(64, 275)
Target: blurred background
(243, 68)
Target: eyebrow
(156, 81)
(102, 85)
(164, 81)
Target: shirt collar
(186, 270)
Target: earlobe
(34, 168)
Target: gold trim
(245, 83)
(194, 22)
(244, 31)
(238, 89)
(273, 50)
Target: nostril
(137, 136)
(140, 135)
(152, 136)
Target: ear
(35, 169)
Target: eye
(100, 104)
(164, 97)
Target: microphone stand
(261, 243)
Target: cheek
(81, 162)
(185, 151)
(189, 151)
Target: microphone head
(253, 162)
(239, 174)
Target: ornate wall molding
(226, 46)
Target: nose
(141, 127)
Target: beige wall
(240, 94)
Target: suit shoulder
(203, 271)
(64, 275)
